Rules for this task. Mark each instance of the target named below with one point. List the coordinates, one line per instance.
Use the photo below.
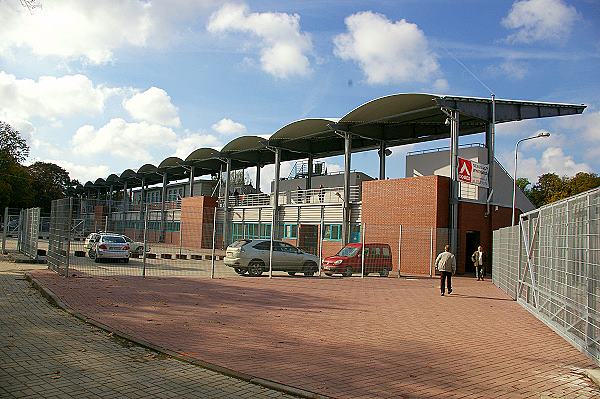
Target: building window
(290, 231)
(237, 231)
(252, 231)
(332, 232)
(265, 230)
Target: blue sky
(98, 87)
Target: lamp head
(543, 134)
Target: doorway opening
(473, 241)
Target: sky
(101, 86)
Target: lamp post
(537, 136)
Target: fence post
(214, 237)
(399, 249)
(145, 241)
(431, 254)
(5, 231)
(67, 262)
(362, 256)
(320, 238)
(271, 247)
(106, 223)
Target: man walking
(479, 259)
(446, 265)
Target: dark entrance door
(308, 238)
(472, 244)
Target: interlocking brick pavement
(347, 338)
(47, 353)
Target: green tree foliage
(522, 183)
(12, 143)
(550, 187)
(50, 182)
(15, 183)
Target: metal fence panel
(550, 264)
(29, 232)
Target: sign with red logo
(473, 172)
(465, 170)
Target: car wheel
(347, 272)
(292, 273)
(384, 273)
(239, 271)
(255, 268)
(310, 268)
(329, 274)
(91, 254)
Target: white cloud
(387, 52)
(90, 29)
(122, 139)
(509, 69)
(540, 20)
(186, 145)
(153, 106)
(283, 47)
(83, 173)
(228, 126)
(587, 128)
(50, 97)
(518, 129)
(553, 160)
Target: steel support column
(163, 214)
(125, 198)
(382, 160)
(274, 229)
(490, 143)
(258, 178)
(347, 160)
(454, 132)
(310, 172)
(191, 182)
(226, 204)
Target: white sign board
(473, 172)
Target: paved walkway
(47, 353)
(346, 338)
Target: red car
(378, 259)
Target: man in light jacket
(479, 259)
(446, 265)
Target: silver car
(109, 246)
(252, 257)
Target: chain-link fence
(186, 238)
(29, 232)
(10, 229)
(556, 254)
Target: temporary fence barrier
(556, 253)
(29, 232)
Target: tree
(15, 183)
(583, 181)
(12, 143)
(550, 187)
(522, 183)
(50, 182)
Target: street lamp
(539, 135)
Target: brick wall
(197, 221)
(418, 204)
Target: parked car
(378, 259)
(136, 247)
(252, 257)
(109, 246)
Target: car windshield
(113, 239)
(239, 243)
(348, 251)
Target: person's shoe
(442, 294)
(450, 291)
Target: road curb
(56, 301)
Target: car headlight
(337, 262)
